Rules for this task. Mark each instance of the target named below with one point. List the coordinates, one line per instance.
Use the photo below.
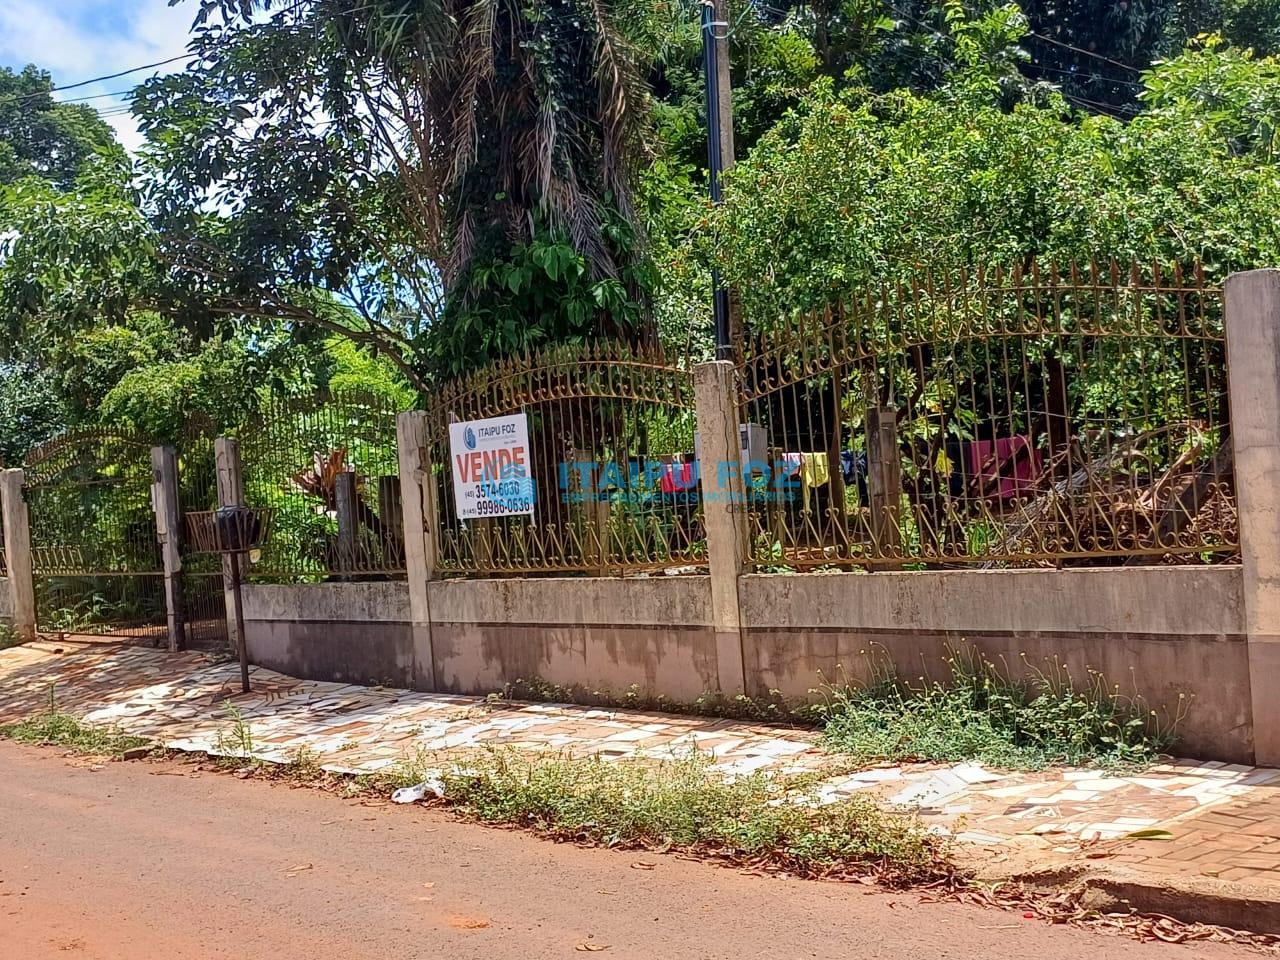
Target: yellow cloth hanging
(815, 471)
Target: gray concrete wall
(599, 633)
(348, 632)
(603, 634)
(1160, 632)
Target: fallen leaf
(1149, 835)
(643, 865)
(591, 947)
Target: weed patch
(686, 805)
(64, 730)
(980, 713)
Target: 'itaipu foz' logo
(469, 438)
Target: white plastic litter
(419, 791)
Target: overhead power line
(122, 73)
(1087, 53)
(96, 96)
(110, 76)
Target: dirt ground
(155, 859)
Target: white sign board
(492, 467)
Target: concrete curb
(1193, 899)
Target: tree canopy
(41, 137)
(403, 191)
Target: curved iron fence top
(605, 370)
(45, 462)
(940, 308)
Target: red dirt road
(155, 860)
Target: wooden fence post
(17, 549)
(884, 479)
(164, 503)
(345, 501)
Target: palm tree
(503, 117)
(390, 151)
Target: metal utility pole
(715, 42)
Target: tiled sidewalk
(1224, 820)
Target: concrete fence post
(1253, 352)
(226, 456)
(164, 503)
(418, 506)
(724, 512)
(17, 549)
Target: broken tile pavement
(1216, 819)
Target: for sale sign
(492, 467)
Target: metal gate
(203, 602)
(95, 559)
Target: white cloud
(78, 39)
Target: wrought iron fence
(611, 436)
(328, 468)
(1023, 417)
(95, 559)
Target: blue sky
(78, 39)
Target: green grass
(980, 713)
(64, 730)
(686, 805)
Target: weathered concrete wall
(1161, 632)
(603, 634)
(349, 632)
(6, 602)
(600, 633)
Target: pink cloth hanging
(1005, 467)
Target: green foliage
(686, 804)
(1232, 92)
(851, 191)
(981, 713)
(72, 257)
(40, 137)
(539, 293)
(349, 369)
(31, 410)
